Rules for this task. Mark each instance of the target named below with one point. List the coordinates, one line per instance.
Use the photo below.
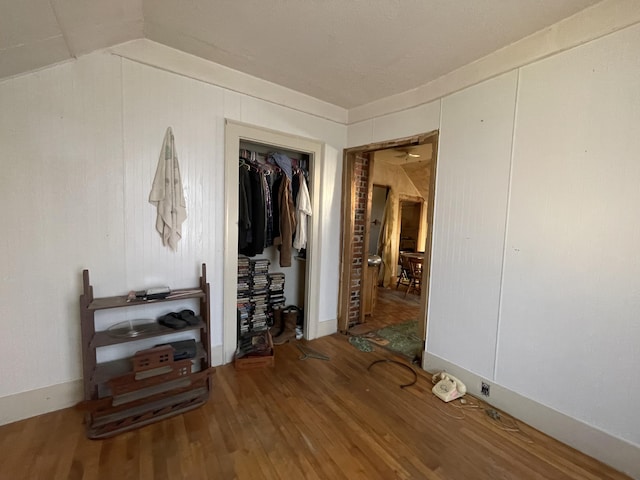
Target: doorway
(403, 173)
(411, 225)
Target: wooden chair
(405, 272)
(415, 275)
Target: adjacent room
(276, 239)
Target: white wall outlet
(484, 389)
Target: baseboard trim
(611, 450)
(42, 400)
(217, 355)
(328, 327)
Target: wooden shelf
(164, 387)
(121, 300)
(107, 370)
(104, 338)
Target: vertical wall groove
(506, 230)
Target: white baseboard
(611, 450)
(328, 327)
(55, 397)
(217, 355)
(42, 400)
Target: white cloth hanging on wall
(167, 194)
(303, 210)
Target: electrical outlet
(484, 389)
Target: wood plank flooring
(391, 307)
(302, 419)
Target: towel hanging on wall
(167, 194)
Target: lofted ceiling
(415, 161)
(347, 53)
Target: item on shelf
(182, 349)
(151, 293)
(179, 320)
(156, 293)
(171, 320)
(133, 328)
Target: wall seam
(432, 226)
(506, 227)
(124, 171)
(63, 33)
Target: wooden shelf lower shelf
(107, 370)
(104, 338)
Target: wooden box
(250, 362)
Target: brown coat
(287, 222)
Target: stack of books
(276, 290)
(244, 295)
(259, 294)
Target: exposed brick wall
(361, 177)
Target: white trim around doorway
(234, 133)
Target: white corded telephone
(447, 387)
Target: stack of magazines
(259, 294)
(244, 295)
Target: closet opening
(261, 166)
(274, 192)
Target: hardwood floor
(391, 307)
(310, 419)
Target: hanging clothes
(244, 208)
(268, 199)
(256, 235)
(295, 186)
(167, 194)
(303, 210)
(287, 222)
(275, 207)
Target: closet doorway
(403, 173)
(239, 135)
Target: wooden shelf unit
(170, 391)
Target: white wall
(469, 223)
(62, 190)
(81, 143)
(546, 158)
(571, 305)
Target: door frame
(348, 223)
(402, 198)
(234, 133)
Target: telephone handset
(447, 387)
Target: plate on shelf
(133, 328)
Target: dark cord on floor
(415, 375)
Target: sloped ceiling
(417, 168)
(37, 33)
(347, 53)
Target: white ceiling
(347, 53)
